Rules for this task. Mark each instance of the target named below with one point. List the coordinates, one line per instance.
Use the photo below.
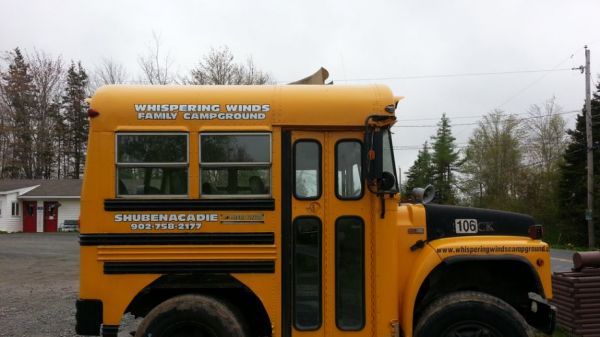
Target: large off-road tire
(192, 316)
(469, 314)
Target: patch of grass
(560, 332)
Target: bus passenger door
(330, 236)
(348, 237)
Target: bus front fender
(423, 265)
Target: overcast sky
(352, 39)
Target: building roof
(46, 188)
(15, 184)
(58, 188)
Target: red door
(30, 216)
(50, 216)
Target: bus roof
(139, 107)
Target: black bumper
(88, 317)
(542, 315)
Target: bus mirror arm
(373, 158)
(418, 245)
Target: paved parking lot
(562, 260)
(39, 284)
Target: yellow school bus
(259, 211)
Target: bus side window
(235, 165)
(307, 276)
(307, 168)
(152, 164)
(348, 182)
(349, 273)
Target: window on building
(307, 168)
(15, 208)
(30, 209)
(235, 165)
(152, 164)
(348, 184)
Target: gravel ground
(39, 283)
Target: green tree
(546, 141)
(572, 188)
(18, 90)
(492, 166)
(420, 174)
(74, 119)
(445, 160)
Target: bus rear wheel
(192, 316)
(471, 314)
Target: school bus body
(132, 246)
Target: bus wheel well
(509, 279)
(220, 286)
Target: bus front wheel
(192, 316)
(470, 313)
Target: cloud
(353, 39)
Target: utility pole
(589, 215)
(590, 153)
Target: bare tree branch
(48, 75)
(219, 68)
(156, 67)
(109, 72)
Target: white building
(39, 205)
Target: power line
(466, 116)
(431, 125)
(543, 161)
(460, 146)
(524, 143)
(438, 118)
(522, 90)
(417, 77)
(477, 123)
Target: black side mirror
(387, 181)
